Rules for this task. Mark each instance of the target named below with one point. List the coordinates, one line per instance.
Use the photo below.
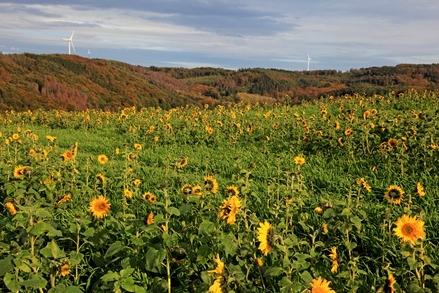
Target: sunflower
(394, 194)
(220, 283)
(11, 208)
(420, 189)
(334, 257)
(149, 220)
(325, 229)
(299, 160)
(320, 286)
(15, 136)
(103, 159)
(181, 162)
(210, 184)
(259, 262)
(393, 142)
(99, 207)
(65, 198)
(138, 146)
(51, 138)
(319, 210)
(152, 198)
(147, 195)
(409, 229)
(232, 191)
(196, 190)
(186, 189)
(366, 114)
(265, 237)
(137, 182)
(229, 209)
(100, 178)
(348, 132)
(127, 193)
(67, 156)
(19, 171)
(389, 286)
(64, 269)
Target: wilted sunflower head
(181, 162)
(394, 194)
(232, 190)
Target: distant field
(338, 194)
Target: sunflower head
(127, 193)
(409, 229)
(11, 208)
(137, 182)
(149, 219)
(348, 132)
(138, 146)
(266, 237)
(229, 209)
(181, 162)
(187, 189)
(320, 285)
(64, 269)
(210, 184)
(102, 159)
(101, 178)
(67, 156)
(232, 191)
(389, 286)
(299, 160)
(420, 189)
(196, 190)
(394, 194)
(99, 207)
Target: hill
(70, 82)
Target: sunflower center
(408, 229)
(100, 206)
(394, 194)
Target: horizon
(231, 35)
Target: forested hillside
(69, 82)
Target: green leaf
(229, 243)
(350, 245)
(126, 272)
(34, 283)
(173, 211)
(52, 250)
(43, 213)
(73, 289)
(6, 265)
(206, 227)
(113, 249)
(306, 277)
(357, 222)
(154, 259)
(90, 232)
(329, 213)
(11, 283)
(110, 276)
(39, 228)
(184, 209)
(273, 272)
(63, 289)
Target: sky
(232, 34)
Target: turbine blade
(73, 46)
(71, 37)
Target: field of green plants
(335, 195)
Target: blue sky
(233, 34)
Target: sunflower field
(334, 195)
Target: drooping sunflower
(336, 125)
(181, 162)
(99, 207)
(102, 159)
(149, 220)
(11, 208)
(409, 229)
(299, 160)
(420, 189)
(334, 257)
(389, 285)
(210, 184)
(265, 237)
(340, 141)
(394, 194)
(366, 114)
(220, 283)
(65, 198)
(101, 178)
(321, 285)
(51, 138)
(232, 191)
(229, 209)
(325, 229)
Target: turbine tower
(70, 42)
(309, 60)
(89, 54)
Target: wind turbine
(89, 54)
(70, 42)
(309, 60)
